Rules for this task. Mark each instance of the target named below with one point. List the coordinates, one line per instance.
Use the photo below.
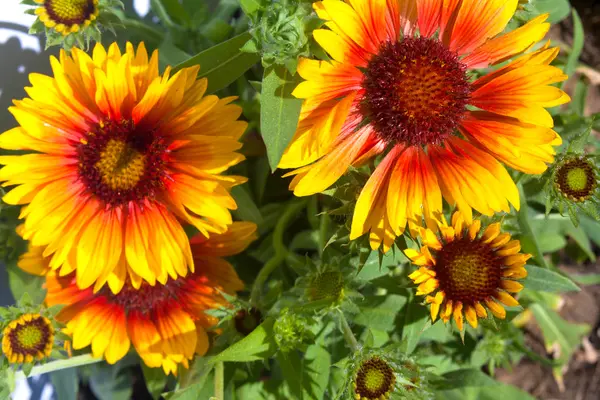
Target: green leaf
(464, 378)
(169, 54)
(546, 280)
(587, 279)
(66, 383)
(246, 207)
(279, 111)
(222, 64)
(21, 282)
(380, 312)
(258, 345)
(307, 377)
(578, 36)
(111, 382)
(175, 10)
(496, 392)
(156, 380)
(558, 9)
(250, 6)
(415, 320)
(558, 332)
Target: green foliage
(279, 111)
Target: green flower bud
(292, 331)
(280, 32)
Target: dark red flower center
(70, 12)
(416, 91)
(147, 298)
(576, 179)
(468, 270)
(120, 163)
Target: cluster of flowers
(123, 157)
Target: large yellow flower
(400, 83)
(462, 270)
(122, 157)
(166, 324)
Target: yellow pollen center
(70, 12)
(120, 165)
(374, 379)
(577, 179)
(29, 336)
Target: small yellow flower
(461, 270)
(67, 16)
(28, 338)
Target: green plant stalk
(529, 242)
(281, 251)
(348, 334)
(58, 365)
(219, 380)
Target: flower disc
(28, 338)
(374, 380)
(576, 179)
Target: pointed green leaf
(222, 64)
(546, 280)
(279, 111)
(258, 345)
(156, 380)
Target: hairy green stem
(219, 381)
(57, 365)
(281, 251)
(529, 242)
(348, 335)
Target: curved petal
(505, 46)
(525, 147)
(320, 175)
(320, 124)
(370, 213)
(238, 237)
(521, 89)
(471, 179)
(476, 21)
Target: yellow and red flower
(400, 83)
(461, 270)
(165, 323)
(123, 156)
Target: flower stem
(57, 365)
(348, 335)
(529, 242)
(219, 381)
(280, 249)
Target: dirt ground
(582, 377)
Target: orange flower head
(461, 270)
(401, 84)
(167, 323)
(122, 157)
